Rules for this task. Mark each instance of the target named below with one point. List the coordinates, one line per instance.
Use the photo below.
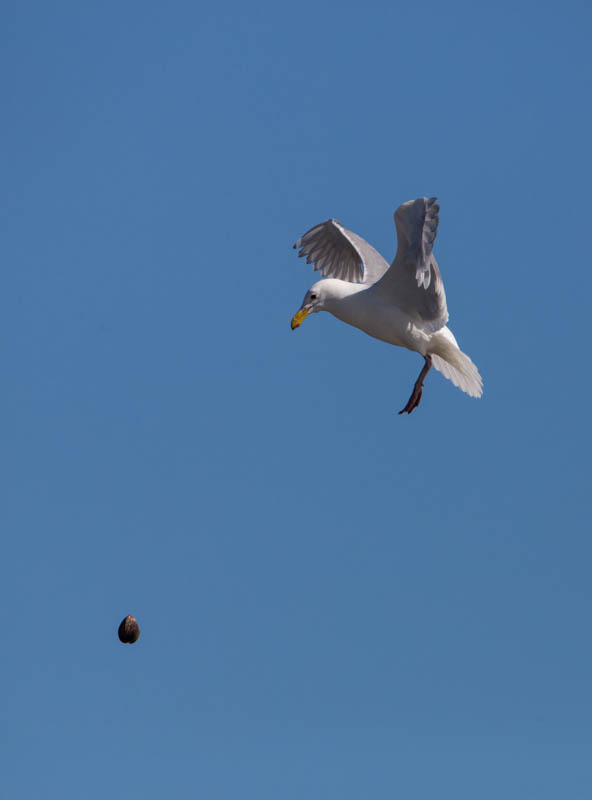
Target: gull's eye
(313, 297)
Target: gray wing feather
(414, 277)
(339, 253)
(417, 227)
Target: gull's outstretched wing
(414, 280)
(339, 253)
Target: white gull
(403, 304)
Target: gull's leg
(413, 401)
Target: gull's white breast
(376, 315)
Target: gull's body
(403, 305)
(369, 310)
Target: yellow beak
(298, 317)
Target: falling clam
(129, 630)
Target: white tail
(463, 373)
(456, 365)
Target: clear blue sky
(335, 601)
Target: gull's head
(314, 300)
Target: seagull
(403, 304)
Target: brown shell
(129, 630)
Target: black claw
(417, 392)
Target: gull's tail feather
(463, 373)
(456, 365)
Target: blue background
(334, 601)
